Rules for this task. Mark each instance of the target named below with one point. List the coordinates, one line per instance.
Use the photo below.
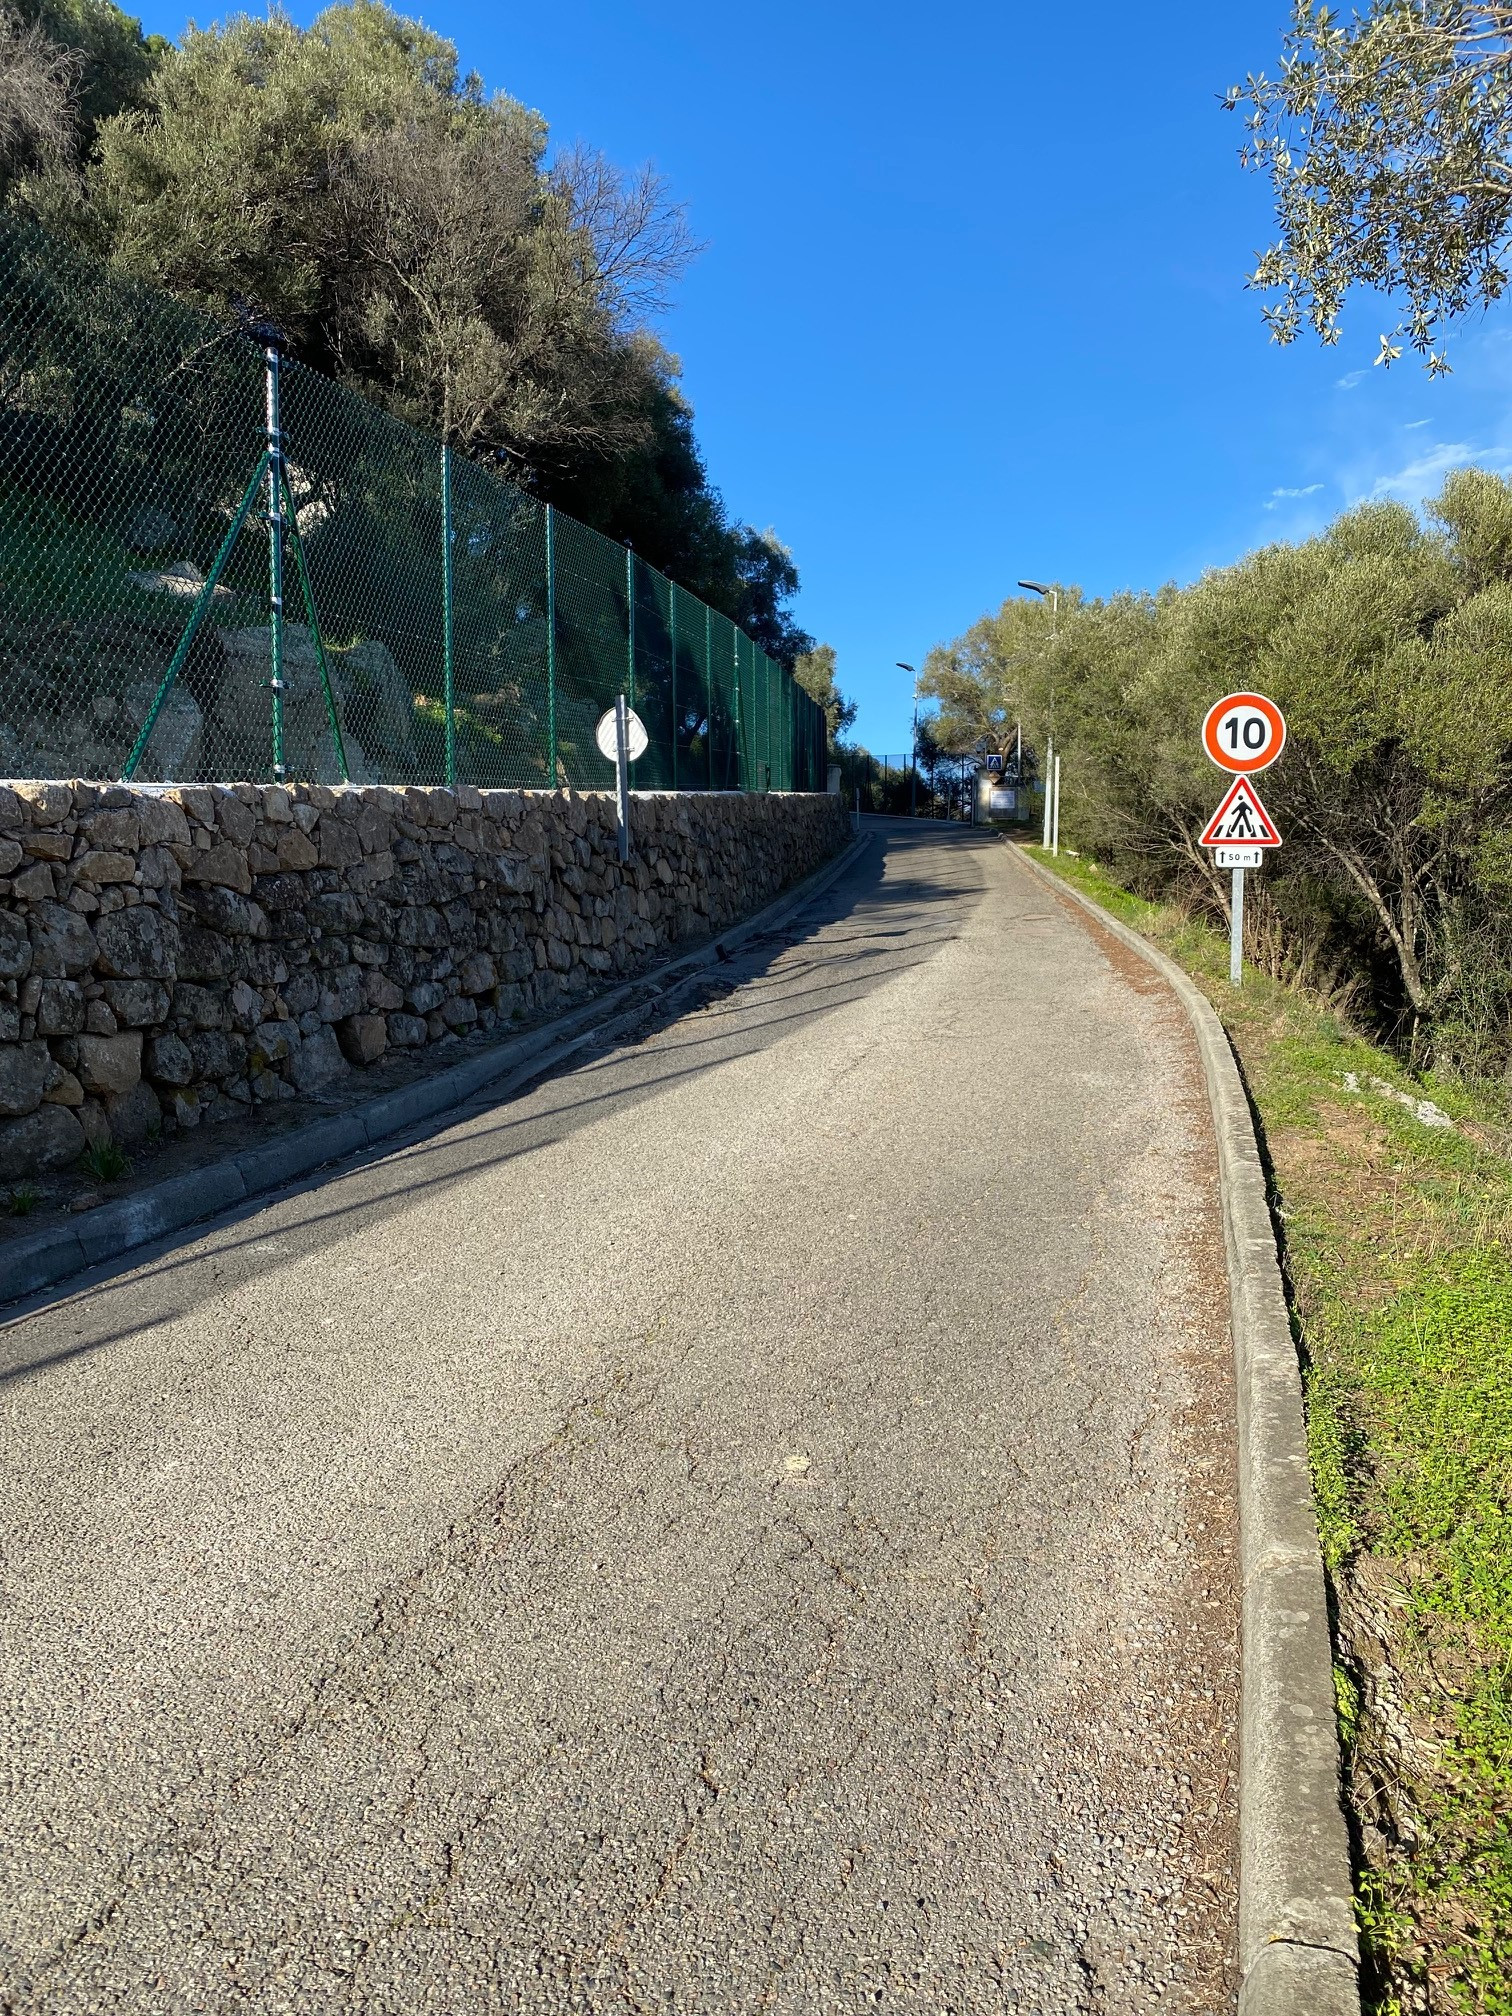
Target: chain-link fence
(217, 564)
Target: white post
(1055, 819)
(1236, 940)
(622, 776)
(1049, 764)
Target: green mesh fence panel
(503, 670)
(653, 676)
(691, 712)
(746, 725)
(437, 624)
(129, 428)
(592, 654)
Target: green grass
(23, 1200)
(1398, 1245)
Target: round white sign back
(637, 741)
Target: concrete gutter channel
(41, 1259)
(1298, 1947)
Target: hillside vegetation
(411, 234)
(1387, 642)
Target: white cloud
(1420, 477)
(1408, 425)
(1284, 494)
(1350, 379)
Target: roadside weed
(107, 1161)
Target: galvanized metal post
(630, 615)
(275, 557)
(448, 687)
(622, 774)
(1049, 767)
(551, 697)
(1055, 816)
(1236, 935)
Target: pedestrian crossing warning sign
(1241, 820)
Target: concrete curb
(1298, 1947)
(40, 1259)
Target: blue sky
(971, 303)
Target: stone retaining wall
(177, 955)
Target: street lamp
(1052, 791)
(913, 756)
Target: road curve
(746, 1525)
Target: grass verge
(1393, 1196)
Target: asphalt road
(746, 1525)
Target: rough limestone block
(363, 1038)
(134, 1116)
(110, 1065)
(168, 1060)
(51, 1138)
(317, 1061)
(140, 944)
(64, 1090)
(60, 1008)
(137, 1004)
(24, 1071)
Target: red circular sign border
(1255, 764)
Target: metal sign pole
(1236, 940)
(622, 776)
(1055, 817)
(1049, 766)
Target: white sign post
(1243, 733)
(621, 737)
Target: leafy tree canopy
(1385, 641)
(1387, 137)
(409, 235)
(815, 672)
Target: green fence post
(551, 725)
(275, 557)
(740, 762)
(448, 688)
(672, 616)
(630, 618)
(761, 693)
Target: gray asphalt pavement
(746, 1525)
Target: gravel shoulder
(745, 1525)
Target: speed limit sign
(1244, 732)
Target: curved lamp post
(1050, 594)
(913, 754)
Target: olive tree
(1387, 138)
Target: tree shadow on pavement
(891, 911)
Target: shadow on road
(909, 893)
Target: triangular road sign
(1241, 820)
